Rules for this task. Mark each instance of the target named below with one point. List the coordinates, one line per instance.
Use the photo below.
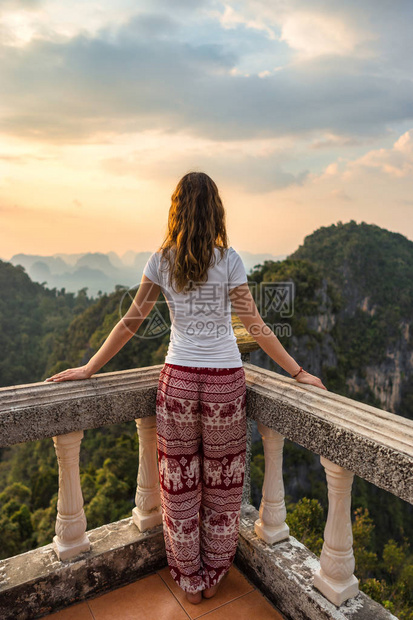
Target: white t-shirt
(201, 328)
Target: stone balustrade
(350, 437)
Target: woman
(201, 396)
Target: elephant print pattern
(201, 440)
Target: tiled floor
(157, 597)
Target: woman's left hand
(70, 374)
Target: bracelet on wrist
(297, 373)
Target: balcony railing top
(373, 443)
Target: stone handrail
(374, 444)
(38, 410)
(350, 437)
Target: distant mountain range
(100, 272)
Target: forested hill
(31, 318)
(352, 322)
(44, 331)
(372, 266)
(88, 331)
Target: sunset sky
(300, 110)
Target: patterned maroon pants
(201, 439)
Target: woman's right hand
(305, 377)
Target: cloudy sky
(301, 111)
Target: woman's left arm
(145, 299)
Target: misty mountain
(97, 271)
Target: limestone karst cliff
(352, 312)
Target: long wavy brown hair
(196, 226)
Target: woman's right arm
(145, 299)
(244, 305)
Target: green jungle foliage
(45, 331)
(31, 318)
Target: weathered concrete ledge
(36, 583)
(372, 443)
(284, 573)
(39, 410)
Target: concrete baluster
(147, 512)
(71, 538)
(335, 578)
(271, 525)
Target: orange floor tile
(158, 597)
(78, 611)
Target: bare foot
(194, 597)
(210, 592)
